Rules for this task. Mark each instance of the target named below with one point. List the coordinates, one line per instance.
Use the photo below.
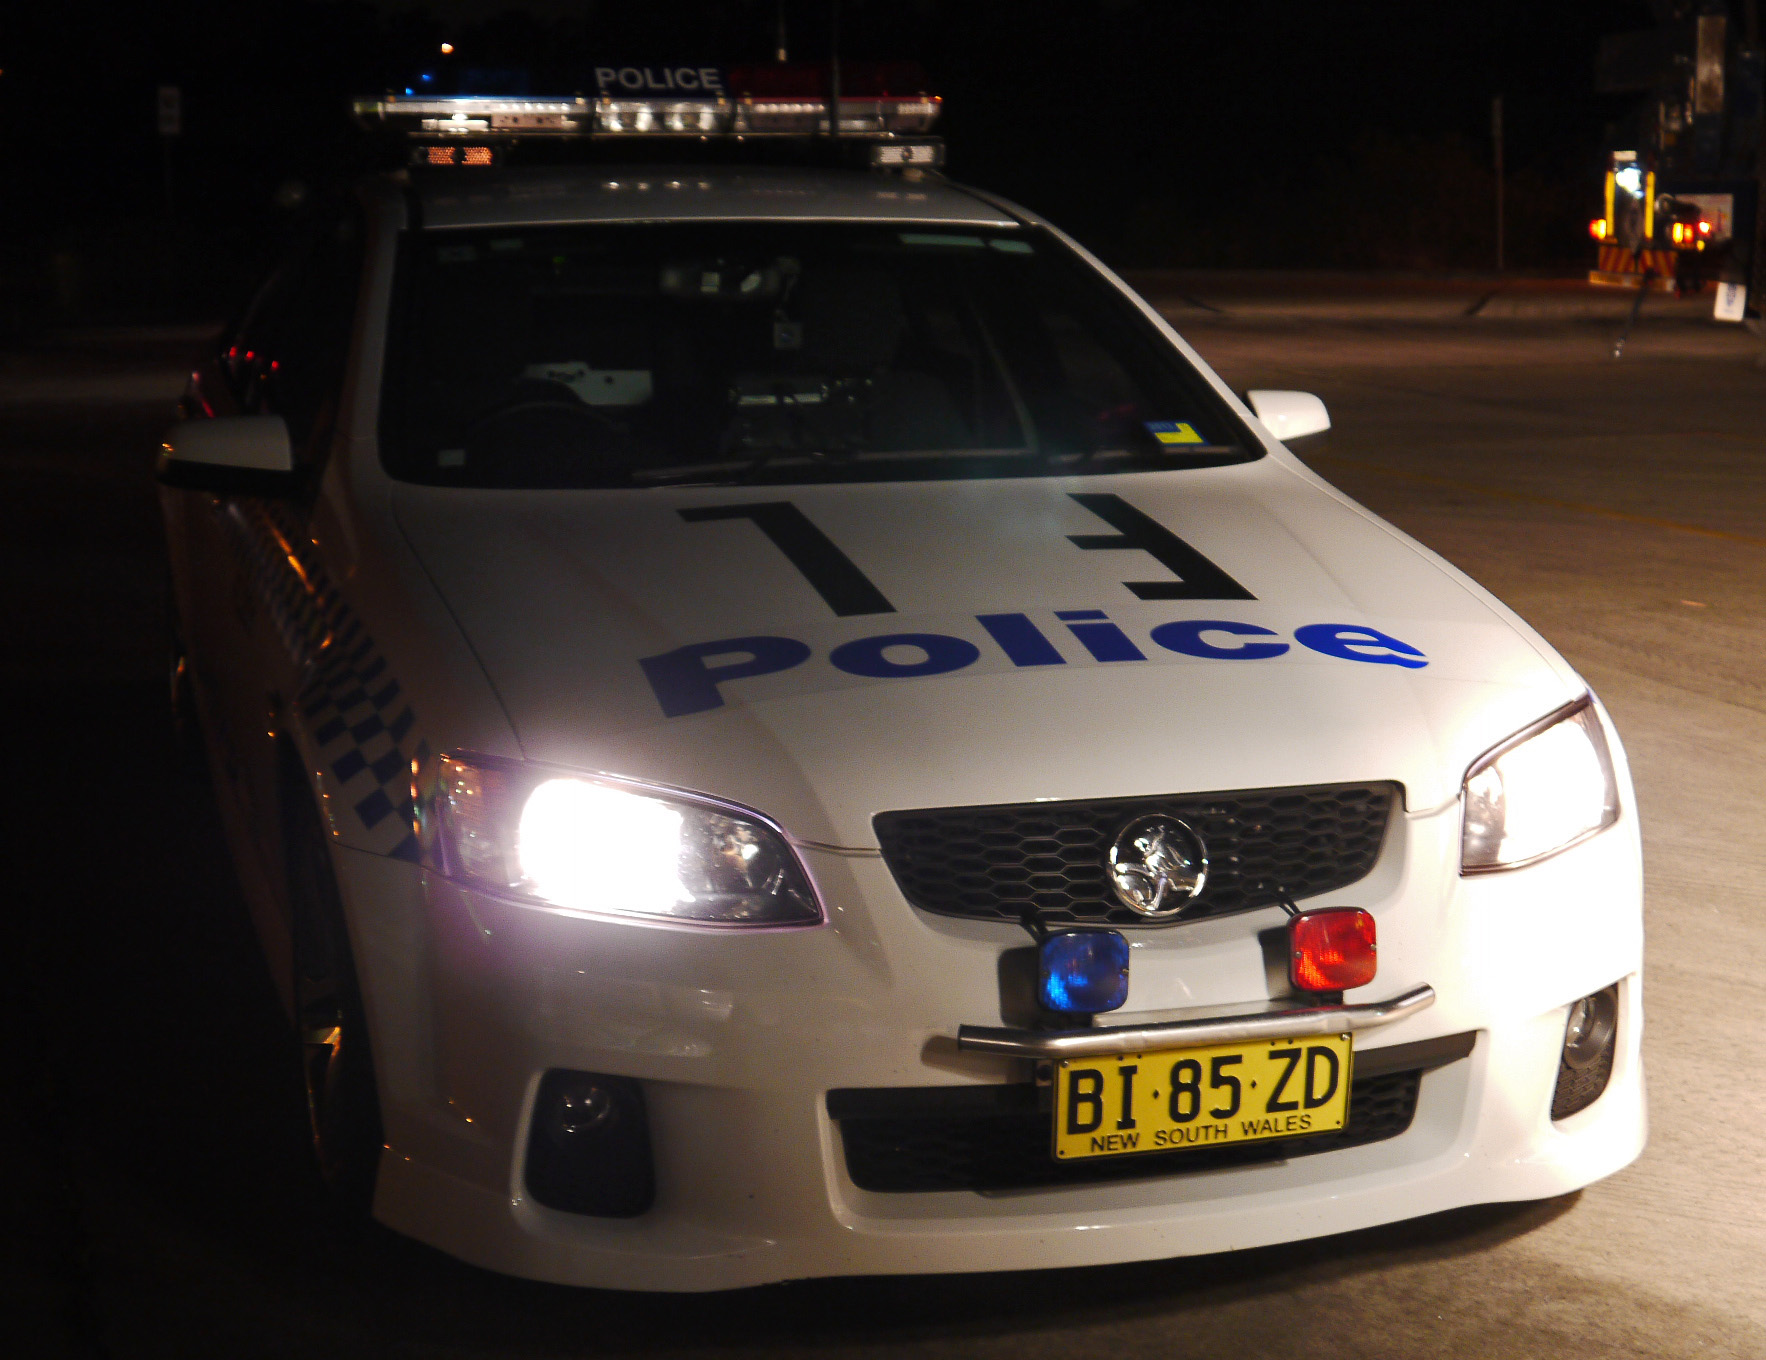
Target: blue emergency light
(1082, 972)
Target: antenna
(834, 68)
(781, 52)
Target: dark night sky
(1260, 132)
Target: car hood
(825, 653)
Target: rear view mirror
(1289, 415)
(236, 455)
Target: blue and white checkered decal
(360, 721)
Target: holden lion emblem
(1157, 866)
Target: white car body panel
(514, 622)
(680, 194)
(563, 593)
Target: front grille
(1003, 1143)
(1577, 1089)
(996, 862)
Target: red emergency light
(1332, 949)
(792, 97)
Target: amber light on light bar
(455, 155)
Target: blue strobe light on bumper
(1082, 972)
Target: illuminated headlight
(1540, 792)
(607, 848)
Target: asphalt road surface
(151, 1124)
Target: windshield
(728, 353)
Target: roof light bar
(670, 117)
(477, 116)
(761, 115)
(428, 117)
(881, 104)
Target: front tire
(337, 1067)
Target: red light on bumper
(1332, 950)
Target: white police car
(780, 722)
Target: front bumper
(1268, 1022)
(738, 1038)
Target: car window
(653, 354)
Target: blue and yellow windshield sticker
(1174, 432)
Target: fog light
(1082, 971)
(1332, 950)
(589, 1149)
(1591, 1032)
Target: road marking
(1529, 498)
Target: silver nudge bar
(1226, 1029)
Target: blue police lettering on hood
(1186, 637)
(683, 683)
(686, 681)
(1103, 639)
(1021, 640)
(1350, 642)
(870, 656)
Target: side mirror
(231, 455)
(1290, 415)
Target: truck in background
(1681, 209)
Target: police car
(776, 720)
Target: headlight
(604, 847)
(1540, 792)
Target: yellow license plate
(1201, 1097)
